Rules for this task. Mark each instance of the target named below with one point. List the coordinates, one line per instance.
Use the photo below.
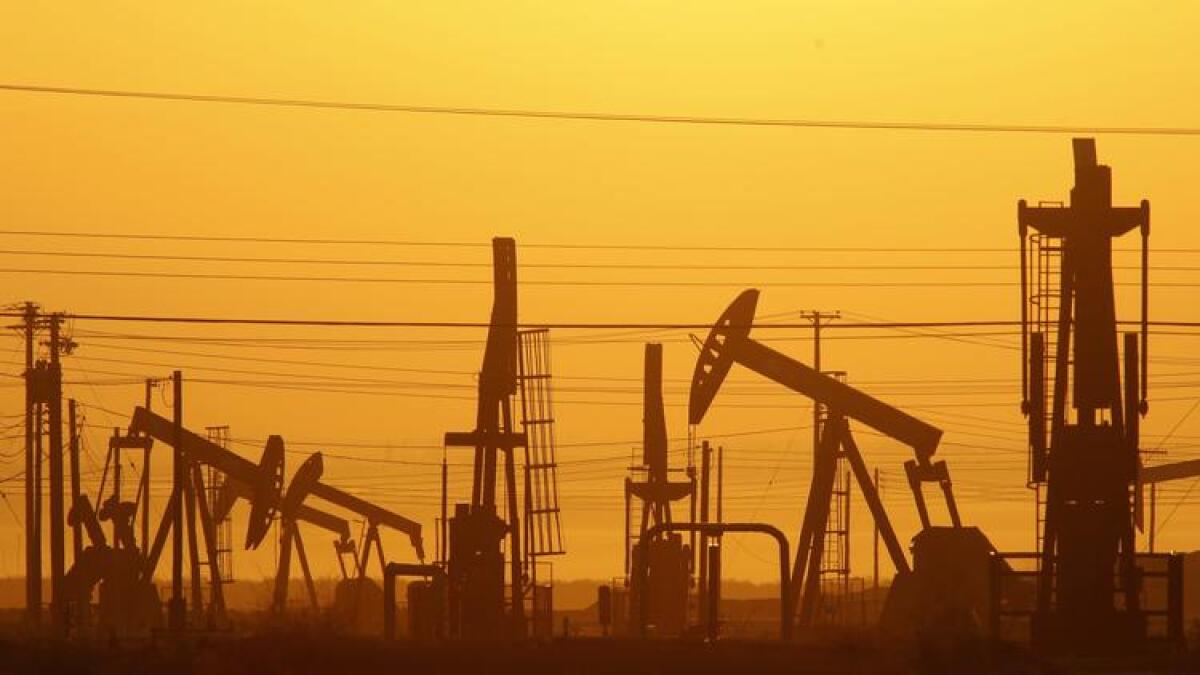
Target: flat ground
(303, 653)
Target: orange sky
(101, 165)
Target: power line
(542, 282)
(596, 116)
(1193, 484)
(536, 245)
(350, 323)
(563, 266)
(566, 283)
(146, 318)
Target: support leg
(283, 574)
(308, 580)
(208, 527)
(197, 580)
(816, 496)
(871, 496)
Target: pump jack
(291, 515)
(476, 562)
(912, 592)
(128, 602)
(667, 559)
(262, 486)
(307, 482)
(1089, 582)
(289, 522)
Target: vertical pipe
(39, 431)
(445, 523)
(1023, 235)
(1145, 303)
(115, 450)
(146, 479)
(177, 607)
(1036, 408)
(32, 577)
(705, 452)
(720, 482)
(389, 604)
(628, 541)
(73, 445)
(1153, 513)
(691, 507)
(57, 519)
(714, 592)
(817, 367)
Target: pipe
(390, 572)
(717, 529)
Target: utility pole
(145, 489)
(33, 574)
(705, 471)
(39, 430)
(177, 607)
(73, 445)
(58, 345)
(819, 318)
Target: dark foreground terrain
(305, 653)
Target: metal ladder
(543, 528)
(214, 486)
(834, 571)
(1045, 302)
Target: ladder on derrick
(834, 571)
(214, 485)
(542, 523)
(543, 529)
(1045, 301)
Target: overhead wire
(597, 116)
(328, 241)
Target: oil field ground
(304, 652)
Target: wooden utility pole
(177, 607)
(57, 517)
(145, 489)
(818, 318)
(39, 429)
(705, 470)
(33, 572)
(73, 445)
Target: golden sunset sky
(103, 165)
